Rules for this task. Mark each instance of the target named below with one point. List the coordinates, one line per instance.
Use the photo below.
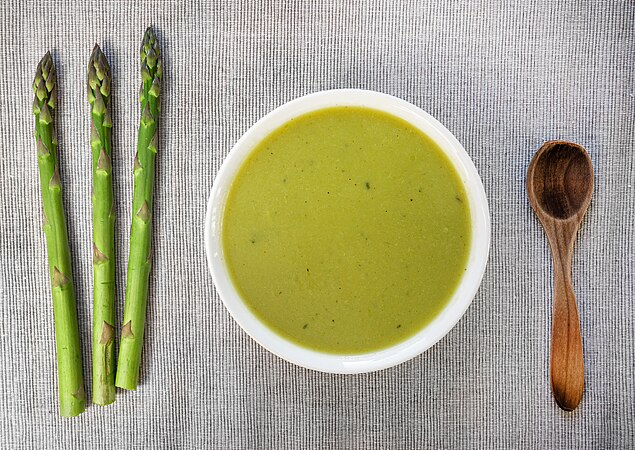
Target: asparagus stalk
(69, 359)
(98, 87)
(139, 261)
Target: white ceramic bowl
(405, 350)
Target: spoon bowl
(559, 187)
(563, 187)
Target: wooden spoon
(559, 186)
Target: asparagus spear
(139, 261)
(69, 359)
(98, 87)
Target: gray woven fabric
(503, 76)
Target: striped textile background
(502, 75)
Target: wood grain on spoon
(559, 186)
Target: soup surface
(346, 230)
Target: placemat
(503, 76)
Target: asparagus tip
(149, 48)
(45, 81)
(98, 81)
(149, 35)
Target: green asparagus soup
(346, 230)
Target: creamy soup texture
(346, 230)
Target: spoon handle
(567, 364)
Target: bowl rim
(397, 353)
